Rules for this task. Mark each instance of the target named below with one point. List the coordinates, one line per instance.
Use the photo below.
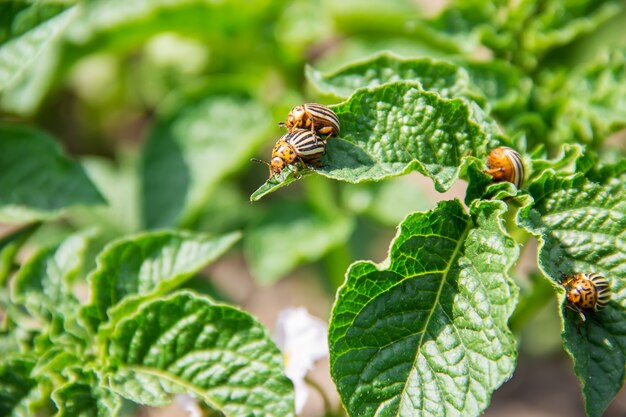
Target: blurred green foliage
(161, 104)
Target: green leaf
(18, 17)
(379, 25)
(56, 361)
(28, 61)
(138, 20)
(388, 202)
(78, 391)
(365, 14)
(367, 44)
(10, 245)
(580, 227)
(280, 180)
(397, 128)
(36, 180)
(191, 150)
(296, 32)
(119, 184)
(522, 32)
(185, 343)
(289, 234)
(603, 173)
(15, 386)
(506, 88)
(567, 162)
(230, 210)
(380, 8)
(558, 23)
(92, 27)
(588, 103)
(43, 284)
(8, 342)
(80, 399)
(425, 333)
(444, 78)
(150, 263)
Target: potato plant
(126, 132)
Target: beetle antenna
(259, 160)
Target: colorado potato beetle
(505, 164)
(320, 119)
(586, 292)
(299, 145)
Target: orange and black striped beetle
(320, 119)
(505, 164)
(299, 145)
(586, 292)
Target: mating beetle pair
(307, 122)
(302, 143)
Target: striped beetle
(586, 292)
(320, 119)
(505, 164)
(298, 145)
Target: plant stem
(327, 404)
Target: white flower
(189, 404)
(302, 339)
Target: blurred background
(164, 103)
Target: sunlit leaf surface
(425, 333)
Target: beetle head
(276, 165)
(295, 117)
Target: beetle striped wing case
(505, 164)
(307, 144)
(320, 119)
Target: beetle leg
(326, 131)
(304, 165)
(296, 174)
(573, 308)
(323, 140)
(581, 313)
